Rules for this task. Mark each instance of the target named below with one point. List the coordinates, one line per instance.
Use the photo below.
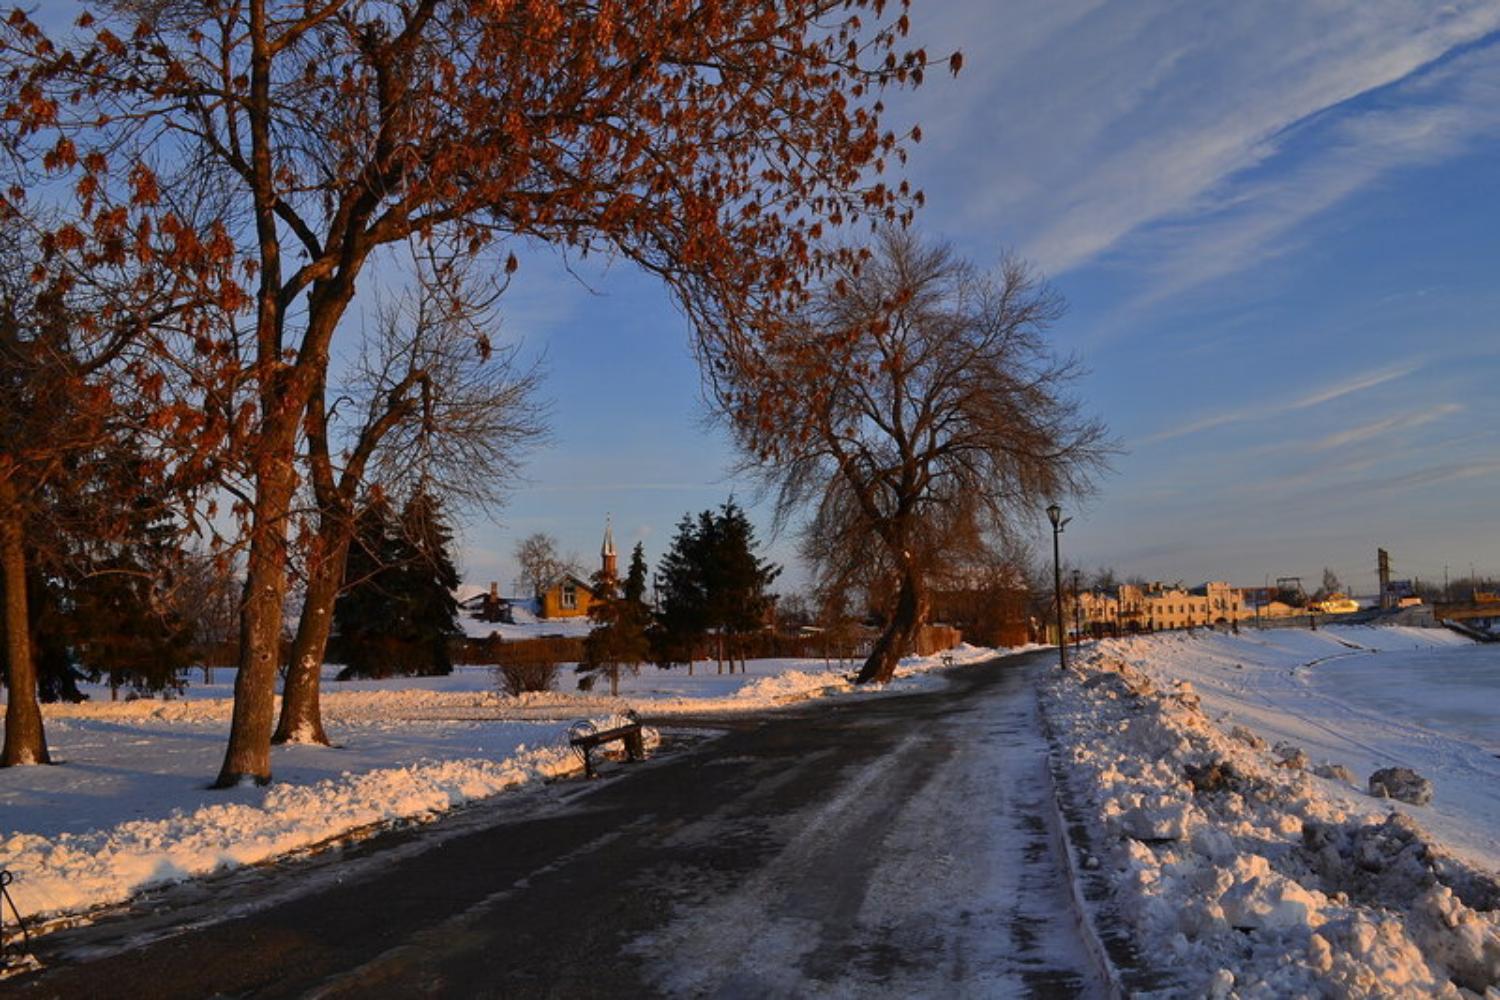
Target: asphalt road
(883, 847)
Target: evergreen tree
(683, 594)
(635, 576)
(98, 606)
(618, 638)
(712, 581)
(429, 578)
(361, 615)
(397, 613)
(740, 578)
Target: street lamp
(1054, 514)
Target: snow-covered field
(1224, 783)
(128, 808)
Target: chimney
(494, 591)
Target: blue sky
(1278, 228)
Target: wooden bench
(587, 742)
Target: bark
(25, 740)
(899, 632)
(248, 755)
(301, 719)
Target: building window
(569, 596)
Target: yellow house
(571, 597)
(565, 597)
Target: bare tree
(205, 595)
(540, 561)
(1331, 585)
(429, 413)
(932, 414)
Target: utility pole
(1383, 563)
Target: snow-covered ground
(1223, 780)
(128, 808)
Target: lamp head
(1054, 514)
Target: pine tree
(618, 638)
(635, 576)
(362, 613)
(429, 578)
(683, 593)
(741, 579)
(398, 614)
(712, 580)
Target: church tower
(607, 557)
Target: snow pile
(69, 873)
(472, 693)
(133, 772)
(1239, 873)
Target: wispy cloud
(1316, 397)
(616, 487)
(1107, 119)
(1250, 219)
(1381, 428)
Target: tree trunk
(248, 755)
(301, 718)
(25, 741)
(880, 667)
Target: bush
(518, 678)
(531, 664)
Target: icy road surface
(891, 847)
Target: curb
(1108, 973)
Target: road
(890, 846)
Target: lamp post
(1054, 514)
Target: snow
(128, 807)
(526, 623)
(924, 871)
(1239, 872)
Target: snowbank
(69, 873)
(128, 810)
(1238, 872)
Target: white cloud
(1381, 428)
(1316, 397)
(1100, 120)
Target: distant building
(1153, 607)
(987, 616)
(1337, 604)
(570, 596)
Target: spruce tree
(397, 613)
(635, 576)
(618, 638)
(428, 581)
(683, 594)
(712, 581)
(740, 578)
(363, 612)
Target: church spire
(607, 551)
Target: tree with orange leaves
(709, 141)
(72, 470)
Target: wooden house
(568, 596)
